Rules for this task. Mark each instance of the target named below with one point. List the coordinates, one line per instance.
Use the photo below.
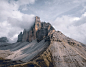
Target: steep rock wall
(38, 31)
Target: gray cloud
(81, 21)
(24, 2)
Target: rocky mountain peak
(38, 31)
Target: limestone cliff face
(38, 31)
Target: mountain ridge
(43, 46)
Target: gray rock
(20, 37)
(38, 31)
(3, 39)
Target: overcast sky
(67, 16)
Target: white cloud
(25, 22)
(25, 8)
(9, 31)
(81, 21)
(84, 14)
(74, 27)
(12, 21)
(24, 2)
(11, 9)
(6, 9)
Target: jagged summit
(38, 31)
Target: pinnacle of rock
(39, 31)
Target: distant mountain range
(42, 46)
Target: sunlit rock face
(38, 31)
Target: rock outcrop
(39, 31)
(3, 39)
(20, 37)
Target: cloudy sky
(67, 16)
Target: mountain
(43, 46)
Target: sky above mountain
(68, 16)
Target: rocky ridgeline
(39, 31)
